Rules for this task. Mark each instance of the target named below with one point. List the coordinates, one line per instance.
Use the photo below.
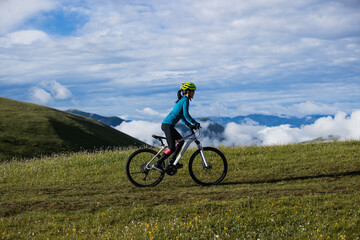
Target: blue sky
(128, 58)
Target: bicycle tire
(208, 176)
(136, 173)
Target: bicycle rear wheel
(214, 173)
(137, 172)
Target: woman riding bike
(179, 112)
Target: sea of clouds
(341, 127)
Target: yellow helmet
(188, 86)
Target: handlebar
(193, 127)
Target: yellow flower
(74, 229)
(225, 228)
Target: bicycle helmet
(188, 86)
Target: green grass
(28, 130)
(303, 191)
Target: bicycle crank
(171, 170)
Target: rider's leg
(179, 146)
(171, 134)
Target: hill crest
(28, 130)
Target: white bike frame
(192, 138)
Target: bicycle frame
(191, 138)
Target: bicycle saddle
(158, 137)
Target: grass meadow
(302, 191)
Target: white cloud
(14, 12)
(309, 108)
(39, 95)
(48, 92)
(341, 126)
(151, 112)
(58, 91)
(141, 130)
(23, 37)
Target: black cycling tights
(171, 135)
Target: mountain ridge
(112, 121)
(268, 120)
(255, 119)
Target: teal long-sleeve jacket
(180, 112)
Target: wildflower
(225, 228)
(74, 229)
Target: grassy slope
(28, 129)
(304, 191)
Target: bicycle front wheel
(137, 172)
(216, 170)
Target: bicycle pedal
(179, 165)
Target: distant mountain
(268, 120)
(28, 130)
(210, 129)
(213, 128)
(110, 121)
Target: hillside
(303, 191)
(28, 130)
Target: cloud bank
(244, 56)
(341, 127)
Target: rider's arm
(187, 119)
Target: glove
(197, 126)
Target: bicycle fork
(206, 165)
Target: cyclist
(180, 111)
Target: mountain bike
(207, 165)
